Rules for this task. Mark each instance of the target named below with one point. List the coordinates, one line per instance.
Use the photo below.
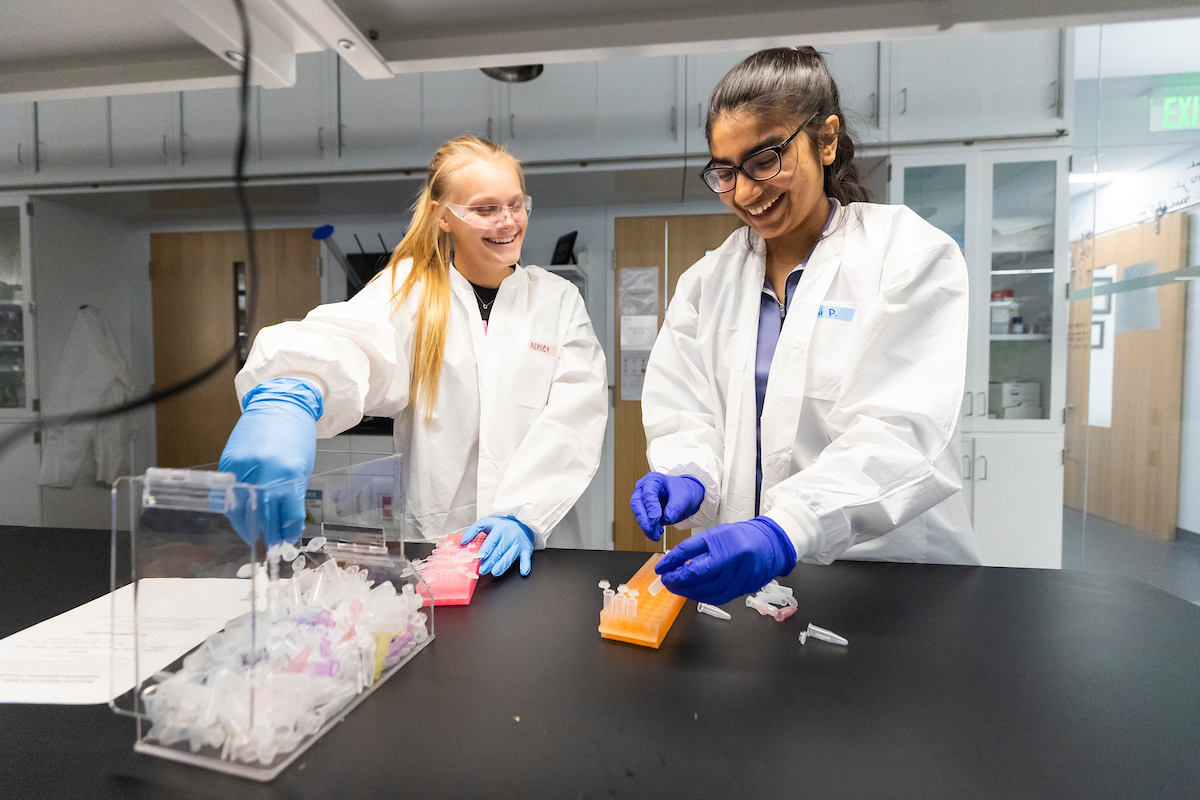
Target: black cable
(239, 179)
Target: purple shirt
(771, 314)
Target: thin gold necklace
(486, 306)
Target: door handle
(983, 477)
(985, 403)
(699, 115)
(970, 396)
(512, 134)
(489, 128)
(966, 468)
(674, 118)
(904, 98)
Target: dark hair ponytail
(788, 85)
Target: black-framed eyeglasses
(761, 165)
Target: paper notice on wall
(633, 374)
(638, 332)
(69, 659)
(637, 293)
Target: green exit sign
(1175, 109)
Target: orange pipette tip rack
(653, 616)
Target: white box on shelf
(1021, 393)
(1023, 412)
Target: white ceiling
(156, 45)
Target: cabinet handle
(489, 129)
(904, 97)
(165, 156)
(512, 133)
(699, 115)
(19, 161)
(674, 118)
(984, 397)
(983, 477)
(321, 139)
(970, 396)
(966, 468)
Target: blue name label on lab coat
(839, 313)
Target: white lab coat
(521, 411)
(92, 374)
(860, 424)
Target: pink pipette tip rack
(451, 571)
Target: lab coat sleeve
(356, 352)
(890, 458)
(557, 458)
(680, 410)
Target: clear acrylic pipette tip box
(314, 627)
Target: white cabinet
(552, 116)
(145, 140)
(457, 102)
(208, 125)
(295, 129)
(18, 379)
(1006, 209)
(856, 68)
(16, 143)
(20, 500)
(379, 121)
(1014, 487)
(640, 106)
(993, 84)
(73, 138)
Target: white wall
(78, 258)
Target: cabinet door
(20, 500)
(704, 70)
(16, 142)
(294, 123)
(1024, 202)
(948, 87)
(208, 122)
(380, 121)
(856, 69)
(639, 106)
(457, 102)
(144, 134)
(17, 357)
(942, 187)
(1017, 500)
(554, 115)
(73, 138)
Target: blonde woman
(491, 370)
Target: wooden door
(676, 243)
(193, 278)
(1131, 467)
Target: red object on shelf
(1002, 294)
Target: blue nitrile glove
(727, 561)
(659, 498)
(507, 539)
(275, 442)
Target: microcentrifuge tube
(713, 611)
(823, 635)
(608, 592)
(656, 587)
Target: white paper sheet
(67, 659)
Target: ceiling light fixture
(1095, 177)
(347, 45)
(518, 74)
(235, 57)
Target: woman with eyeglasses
(491, 370)
(802, 399)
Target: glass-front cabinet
(16, 324)
(1007, 211)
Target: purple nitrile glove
(659, 498)
(727, 561)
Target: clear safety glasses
(758, 166)
(491, 216)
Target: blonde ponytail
(429, 248)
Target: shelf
(12, 343)
(12, 302)
(1020, 337)
(1042, 271)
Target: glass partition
(12, 311)
(1132, 466)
